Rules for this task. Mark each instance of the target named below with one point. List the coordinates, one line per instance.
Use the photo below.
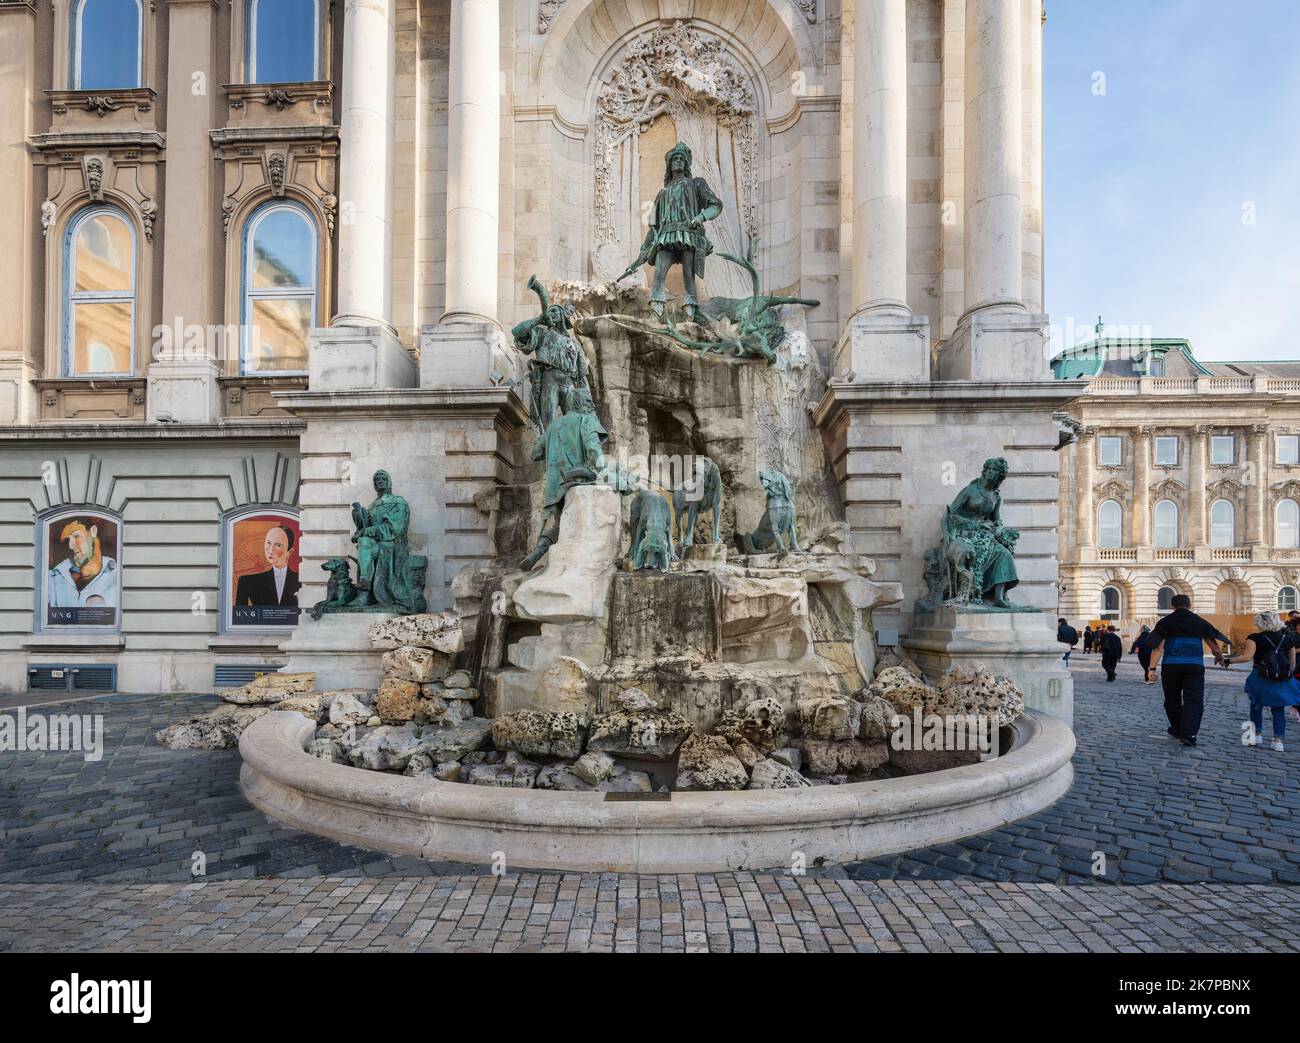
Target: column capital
(1259, 430)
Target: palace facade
(1185, 478)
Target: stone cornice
(501, 403)
(129, 431)
(18, 5)
(1034, 395)
(260, 135)
(81, 140)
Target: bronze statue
(776, 529)
(385, 566)
(652, 532)
(693, 497)
(676, 233)
(557, 361)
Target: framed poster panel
(79, 570)
(261, 553)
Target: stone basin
(691, 832)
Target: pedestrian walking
(1068, 636)
(1179, 655)
(1112, 650)
(1088, 638)
(1143, 646)
(1271, 652)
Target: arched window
(106, 44)
(283, 40)
(1165, 599)
(1223, 524)
(1286, 524)
(99, 294)
(1110, 524)
(1110, 603)
(1287, 600)
(279, 288)
(1166, 516)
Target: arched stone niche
(741, 83)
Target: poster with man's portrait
(262, 557)
(82, 554)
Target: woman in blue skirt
(1271, 644)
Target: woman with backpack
(1271, 650)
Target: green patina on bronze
(776, 529)
(556, 358)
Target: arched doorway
(1228, 600)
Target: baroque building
(1184, 478)
(256, 251)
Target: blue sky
(1147, 184)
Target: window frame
(1156, 450)
(1277, 449)
(1119, 524)
(77, 9)
(1232, 454)
(1156, 526)
(247, 295)
(1173, 593)
(1107, 614)
(1294, 599)
(250, 46)
(71, 297)
(1232, 508)
(1277, 527)
(1102, 441)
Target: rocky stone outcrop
(397, 701)
(972, 690)
(386, 748)
(829, 717)
(919, 762)
(512, 772)
(844, 756)
(327, 749)
(349, 706)
(760, 722)
(650, 734)
(269, 688)
(877, 718)
(440, 631)
(893, 658)
(772, 774)
(594, 767)
(903, 689)
(538, 733)
(707, 762)
(452, 742)
(411, 663)
(218, 730)
(561, 776)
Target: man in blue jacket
(1178, 652)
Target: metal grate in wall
(236, 675)
(87, 677)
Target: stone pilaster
(1086, 448)
(1196, 532)
(1257, 486)
(1141, 513)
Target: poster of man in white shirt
(264, 560)
(83, 585)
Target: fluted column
(1085, 447)
(366, 166)
(993, 167)
(880, 156)
(473, 161)
(1257, 489)
(1141, 484)
(1196, 488)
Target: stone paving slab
(737, 912)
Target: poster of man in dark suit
(268, 596)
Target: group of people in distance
(1174, 650)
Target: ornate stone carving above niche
(1288, 490)
(1226, 488)
(546, 12)
(1168, 489)
(682, 73)
(1113, 489)
(261, 164)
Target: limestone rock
(877, 718)
(975, 691)
(452, 743)
(347, 708)
(386, 748)
(634, 700)
(447, 712)
(652, 735)
(829, 717)
(707, 762)
(789, 756)
(457, 679)
(772, 774)
(440, 631)
(514, 772)
(919, 762)
(844, 756)
(269, 688)
(903, 689)
(419, 767)
(562, 777)
(327, 749)
(218, 730)
(397, 700)
(308, 705)
(373, 721)
(410, 663)
(538, 733)
(624, 781)
(746, 754)
(328, 731)
(760, 722)
(594, 767)
(894, 658)
(447, 771)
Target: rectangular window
(1288, 449)
(1109, 447)
(1167, 450)
(1222, 448)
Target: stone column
(182, 385)
(1196, 534)
(21, 356)
(1141, 534)
(883, 341)
(997, 338)
(1085, 447)
(474, 161)
(361, 349)
(1257, 487)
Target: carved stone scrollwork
(809, 10)
(1288, 490)
(48, 210)
(101, 105)
(93, 171)
(330, 204)
(546, 12)
(227, 212)
(279, 98)
(275, 167)
(148, 214)
(1226, 488)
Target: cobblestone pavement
(734, 912)
(1161, 814)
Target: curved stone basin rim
(692, 832)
